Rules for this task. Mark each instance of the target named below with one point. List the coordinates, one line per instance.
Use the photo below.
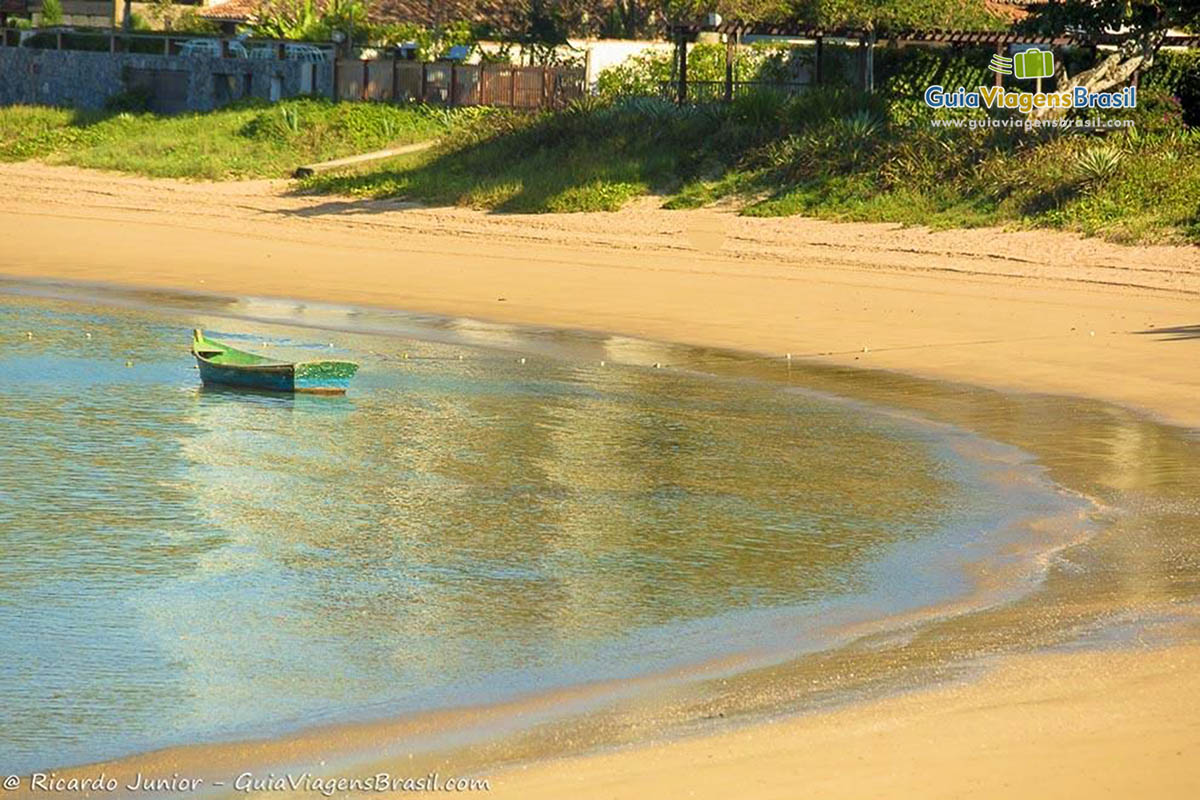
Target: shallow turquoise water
(185, 565)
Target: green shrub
(907, 72)
(823, 103)
(761, 109)
(1158, 112)
(1176, 74)
(651, 72)
(52, 12)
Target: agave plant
(654, 108)
(1099, 163)
(588, 104)
(861, 126)
(291, 118)
(780, 153)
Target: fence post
(545, 86)
(866, 61)
(728, 69)
(681, 45)
(424, 80)
(166, 45)
(820, 58)
(998, 78)
(366, 79)
(869, 62)
(452, 100)
(512, 87)
(58, 40)
(336, 95)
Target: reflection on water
(184, 564)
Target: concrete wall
(604, 54)
(82, 79)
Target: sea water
(487, 513)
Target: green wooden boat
(222, 365)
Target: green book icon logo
(1033, 64)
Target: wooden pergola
(733, 32)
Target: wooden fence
(458, 84)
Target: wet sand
(1034, 311)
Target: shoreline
(715, 301)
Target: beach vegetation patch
(250, 139)
(833, 152)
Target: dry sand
(1083, 725)
(1035, 311)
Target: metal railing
(716, 91)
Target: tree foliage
(1140, 26)
(1129, 19)
(880, 15)
(304, 20)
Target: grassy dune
(835, 154)
(832, 153)
(247, 140)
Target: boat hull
(222, 365)
(305, 378)
(271, 380)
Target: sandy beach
(1034, 311)
(1058, 726)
